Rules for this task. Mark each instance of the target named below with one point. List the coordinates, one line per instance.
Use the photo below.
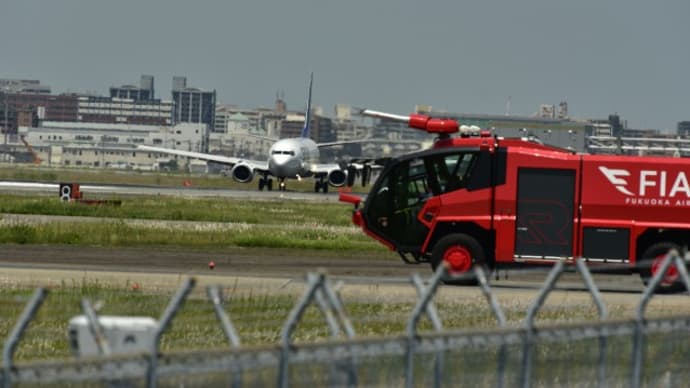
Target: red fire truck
(504, 202)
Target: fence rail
(633, 352)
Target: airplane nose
(283, 165)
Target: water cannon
(441, 126)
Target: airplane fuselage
(292, 157)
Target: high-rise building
(684, 129)
(193, 105)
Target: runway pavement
(92, 191)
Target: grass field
(275, 224)
(258, 317)
(188, 209)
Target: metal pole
(500, 318)
(421, 306)
(438, 326)
(17, 332)
(163, 324)
(638, 339)
(313, 284)
(603, 314)
(551, 280)
(95, 327)
(333, 300)
(488, 294)
(216, 297)
(337, 305)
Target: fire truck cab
(505, 202)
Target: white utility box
(124, 334)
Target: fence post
(489, 295)
(416, 314)
(603, 314)
(432, 313)
(333, 302)
(95, 327)
(551, 280)
(339, 308)
(500, 318)
(216, 297)
(313, 284)
(672, 257)
(163, 324)
(15, 336)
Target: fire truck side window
(450, 172)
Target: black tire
(464, 243)
(269, 185)
(262, 182)
(325, 188)
(644, 267)
(317, 186)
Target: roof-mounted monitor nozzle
(442, 127)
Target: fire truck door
(544, 219)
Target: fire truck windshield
(401, 192)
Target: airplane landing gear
(281, 184)
(265, 182)
(320, 185)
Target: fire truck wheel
(461, 252)
(650, 264)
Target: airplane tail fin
(307, 118)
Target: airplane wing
(336, 143)
(271, 139)
(231, 161)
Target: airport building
(144, 91)
(32, 86)
(41, 107)
(192, 105)
(114, 110)
(77, 144)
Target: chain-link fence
(633, 352)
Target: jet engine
(337, 178)
(242, 173)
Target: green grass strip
(120, 234)
(190, 209)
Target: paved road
(267, 262)
(357, 267)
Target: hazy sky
(626, 56)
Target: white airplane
(294, 158)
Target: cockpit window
(281, 152)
